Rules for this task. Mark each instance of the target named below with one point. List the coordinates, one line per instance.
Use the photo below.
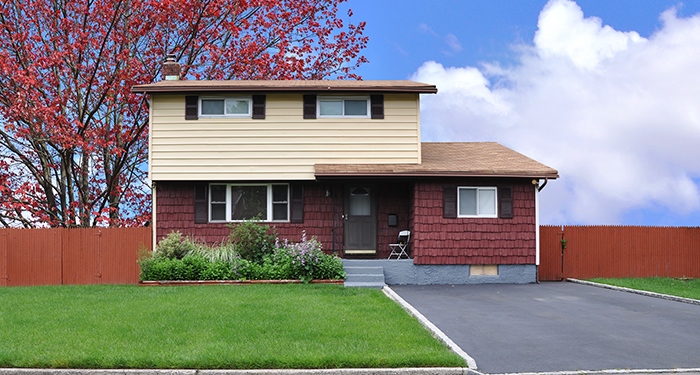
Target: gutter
(433, 174)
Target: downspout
(154, 227)
(538, 188)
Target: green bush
(174, 246)
(178, 258)
(253, 240)
(306, 261)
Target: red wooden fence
(619, 251)
(56, 256)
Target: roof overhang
(317, 86)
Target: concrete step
(359, 277)
(364, 275)
(350, 284)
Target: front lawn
(212, 327)
(688, 288)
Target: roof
(455, 159)
(286, 86)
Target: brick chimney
(171, 68)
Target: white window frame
(320, 99)
(478, 190)
(249, 99)
(269, 203)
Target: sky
(606, 92)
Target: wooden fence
(56, 256)
(618, 251)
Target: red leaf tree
(73, 138)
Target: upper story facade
(279, 130)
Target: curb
(635, 291)
(611, 372)
(349, 371)
(433, 329)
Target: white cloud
(424, 28)
(453, 43)
(617, 114)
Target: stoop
(363, 274)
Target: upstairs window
(235, 202)
(340, 107)
(476, 202)
(225, 107)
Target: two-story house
(344, 161)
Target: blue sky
(607, 92)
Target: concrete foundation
(404, 272)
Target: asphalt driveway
(560, 326)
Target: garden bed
(252, 254)
(233, 282)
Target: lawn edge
(341, 371)
(231, 282)
(434, 330)
(637, 291)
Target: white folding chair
(399, 248)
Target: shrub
(174, 246)
(188, 268)
(305, 261)
(217, 270)
(253, 240)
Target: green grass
(215, 327)
(688, 288)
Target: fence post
(4, 278)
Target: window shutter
(309, 106)
(449, 202)
(377, 106)
(201, 203)
(505, 202)
(259, 106)
(191, 110)
(296, 208)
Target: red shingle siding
(473, 240)
(175, 211)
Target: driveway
(560, 326)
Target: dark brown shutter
(449, 202)
(191, 110)
(505, 202)
(259, 106)
(377, 106)
(201, 204)
(296, 208)
(309, 106)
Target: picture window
(237, 202)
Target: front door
(360, 220)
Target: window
(476, 202)
(225, 107)
(337, 106)
(234, 202)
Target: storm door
(360, 220)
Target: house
(344, 161)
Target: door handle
(345, 217)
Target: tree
(73, 138)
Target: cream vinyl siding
(283, 146)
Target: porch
(375, 273)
